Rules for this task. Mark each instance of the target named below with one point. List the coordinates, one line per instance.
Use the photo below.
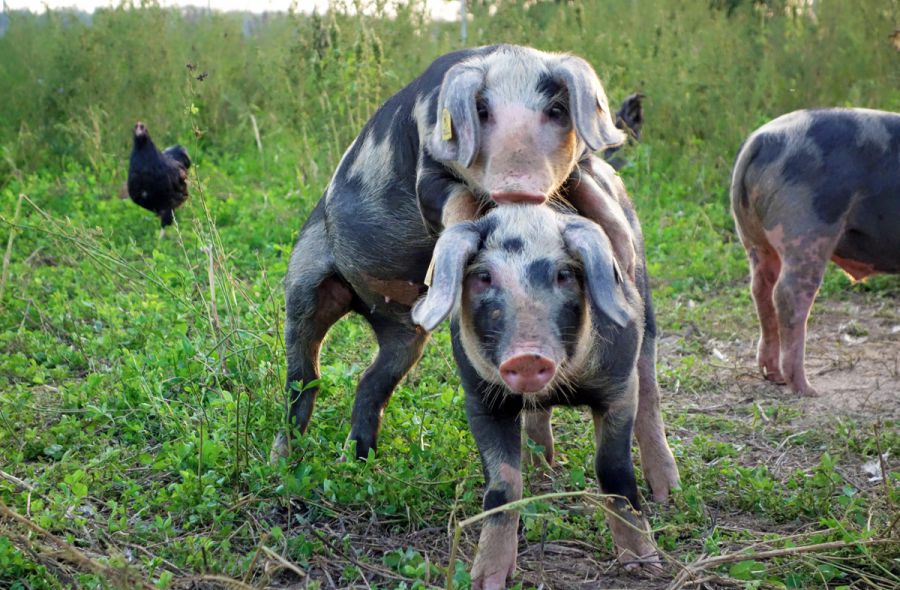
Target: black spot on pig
(832, 133)
(765, 149)
(495, 498)
(486, 227)
(540, 273)
(489, 323)
(513, 245)
(569, 319)
(830, 184)
(548, 87)
(769, 147)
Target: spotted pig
(542, 316)
(480, 128)
(811, 186)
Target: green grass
(137, 410)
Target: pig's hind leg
(765, 268)
(539, 430)
(400, 346)
(657, 461)
(803, 261)
(315, 298)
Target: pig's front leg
(499, 443)
(615, 472)
(600, 206)
(443, 200)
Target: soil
(852, 360)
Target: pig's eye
(558, 113)
(565, 277)
(482, 108)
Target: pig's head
(524, 280)
(514, 122)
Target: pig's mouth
(519, 197)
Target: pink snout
(527, 373)
(501, 197)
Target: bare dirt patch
(852, 359)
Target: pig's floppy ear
(588, 104)
(457, 133)
(603, 279)
(451, 254)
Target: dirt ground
(852, 359)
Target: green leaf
(747, 570)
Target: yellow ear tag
(446, 125)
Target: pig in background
(630, 119)
(479, 128)
(542, 316)
(807, 187)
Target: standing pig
(545, 317)
(479, 128)
(808, 187)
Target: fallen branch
(282, 562)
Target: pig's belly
(861, 254)
(384, 256)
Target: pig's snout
(527, 373)
(505, 197)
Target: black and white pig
(807, 187)
(479, 128)
(541, 316)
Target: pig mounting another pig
(543, 317)
(807, 187)
(480, 128)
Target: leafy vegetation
(141, 380)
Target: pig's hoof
(494, 567)
(648, 565)
(636, 551)
(772, 374)
(492, 578)
(281, 449)
(804, 390)
(662, 479)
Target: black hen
(157, 181)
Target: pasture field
(141, 380)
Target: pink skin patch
(526, 156)
(765, 266)
(854, 268)
(799, 264)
